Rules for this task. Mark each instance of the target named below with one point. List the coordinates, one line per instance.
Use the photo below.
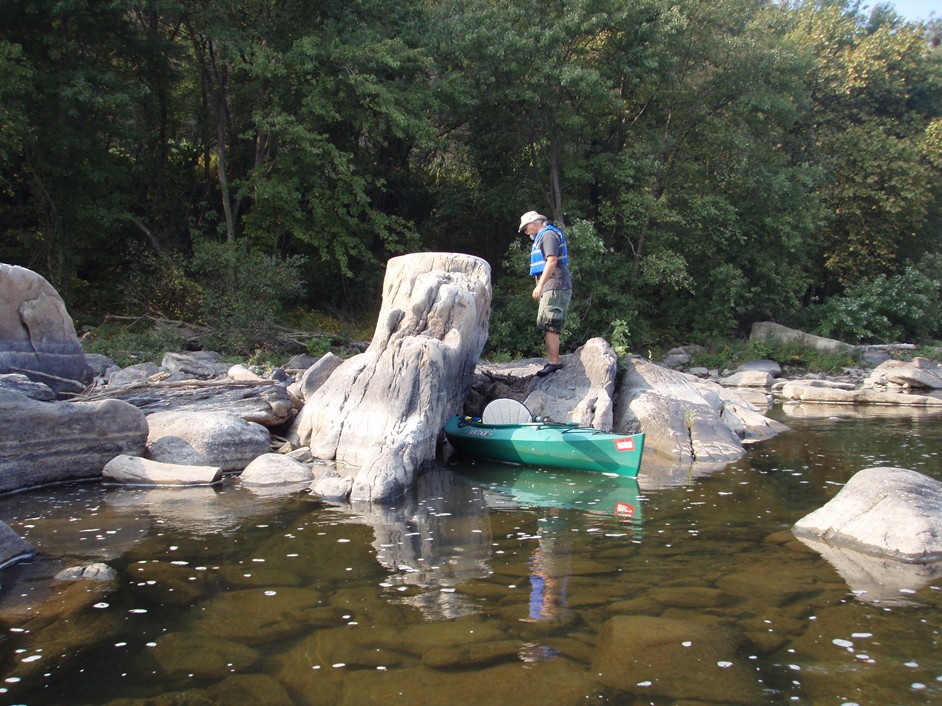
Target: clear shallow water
(487, 586)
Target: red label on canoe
(623, 509)
(626, 444)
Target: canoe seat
(506, 411)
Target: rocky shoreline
(363, 429)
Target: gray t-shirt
(550, 245)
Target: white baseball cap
(528, 218)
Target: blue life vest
(537, 261)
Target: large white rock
(883, 511)
(382, 410)
(37, 336)
(205, 439)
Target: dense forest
(229, 162)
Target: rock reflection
(874, 579)
(434, 539)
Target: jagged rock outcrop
(381, 411)
(37, 336)
(686, 420)
(57, 442)
(582, 391)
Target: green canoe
(544, 443)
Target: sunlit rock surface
(382, 410)
(891, 512)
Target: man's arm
(544, 278)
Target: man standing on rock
(549, 266)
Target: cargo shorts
(554, 304)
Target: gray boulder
(317, 374)
(56, 442)
(275, 469)
(686, 420)
(133, 470)
(37, 336)
(890, 512)
(763, 330)
(132, 375)
(918, 374)
(582, 391)
(199, 364)
(22, 384)
(205, 439)
(381, 411)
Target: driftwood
(196, 333)
(265, 402)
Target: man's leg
(552, 346)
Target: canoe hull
(553, 445)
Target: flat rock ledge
(133, 470)
(891, 512)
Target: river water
(488, 585)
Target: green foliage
(140, 341)
(905, 307)
(713, 163)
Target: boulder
(748, 378)
(762, 366)
(56, 442)
(132, 375)
(890, 512)
(22, 384)
(242, 373)
(763, 330)
(205, 439)
(37, 336)
(267, 403)
(275, 469)
(685, 419)
(317, 374)
(381, 411)
(13, 547)
(133, 470)
(918, 374)
(582, 391)
(198, 364)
